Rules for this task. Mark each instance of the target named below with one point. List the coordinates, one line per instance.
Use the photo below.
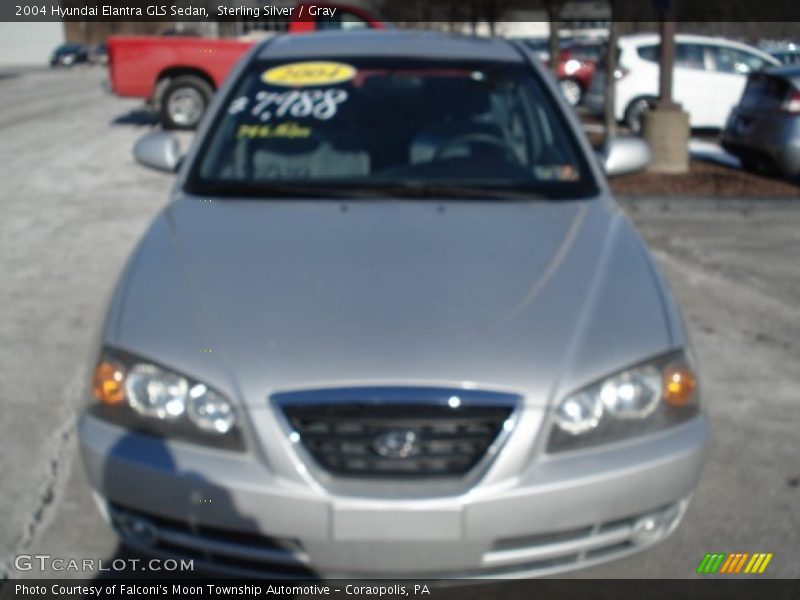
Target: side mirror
(158, 150)
(625, 155)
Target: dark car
(787, 56)
(99, 54)
(67, 55)
(763, 131)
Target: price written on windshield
(317, 104)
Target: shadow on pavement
(140, 117)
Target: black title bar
(401, 10)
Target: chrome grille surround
(398, 432)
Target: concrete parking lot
(74, 203)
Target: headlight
(641, 399)
(579, 413)
(154, 392)
(142, 396)
(209, 411)
(633, 394)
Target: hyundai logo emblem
(397, 443)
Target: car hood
(258, 296)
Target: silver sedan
(392, 323)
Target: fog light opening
(647, 530)
(651, 528)
(136, 530)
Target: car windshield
(388, 127)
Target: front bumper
(229, 511)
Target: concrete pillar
(666, 129)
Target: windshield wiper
(367, 190)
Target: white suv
(710, 75)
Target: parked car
(709, 77)
(177, 75)
(99, 54)
(67, 55)
(576, 67)
(540, 46)
(787, 56)
(763, 131)
(391, 322)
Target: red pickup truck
(178, 75)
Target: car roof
(413, 44)
(654, 38)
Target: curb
(666, 203)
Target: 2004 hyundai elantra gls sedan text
(392, 323)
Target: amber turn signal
(108, 384)
(680, 384)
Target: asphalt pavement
(73, 204)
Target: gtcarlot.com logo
(735, 563)
(46, 562)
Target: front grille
(388, 439)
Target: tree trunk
(491, 12)
(609, 118)
(554, 45)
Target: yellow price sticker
(289, 130)
(303, 74)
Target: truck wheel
(184, 102)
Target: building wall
(29, 44)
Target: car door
(728, 77)
(690, 83)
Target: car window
(733, 60)
(687, 55)
(764, 91)
(383, 122)
(690, 56)
(649, 52)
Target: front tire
(184, 102)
